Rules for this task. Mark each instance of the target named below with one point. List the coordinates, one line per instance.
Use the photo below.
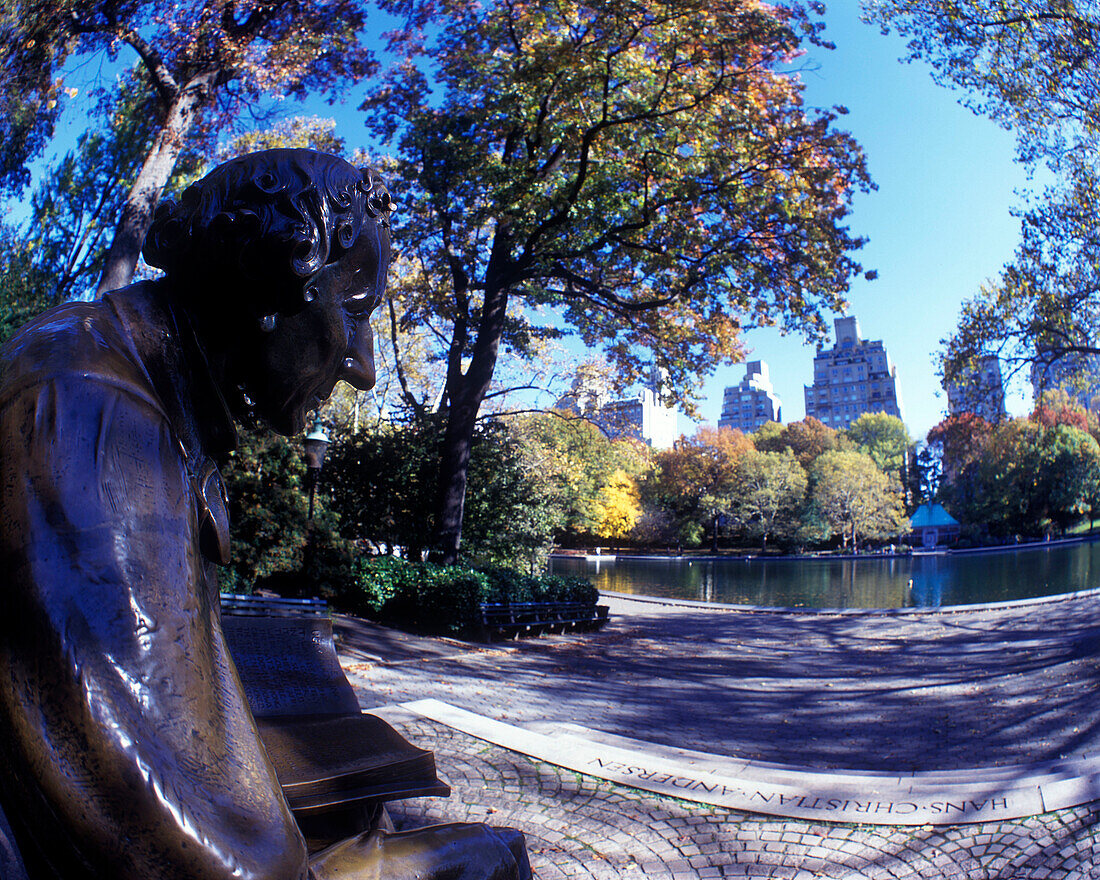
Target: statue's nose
(358, 367)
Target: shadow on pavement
(862, 692)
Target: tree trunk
(137, 212)
(465, 393)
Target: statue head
(264, 223)
(282, 256)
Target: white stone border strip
(696, 605)
(941, 798)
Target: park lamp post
(314, 446)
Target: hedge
(446, 599)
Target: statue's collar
(172, 355)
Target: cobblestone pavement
(579, 826)
(902, 692)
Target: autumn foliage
(204, 63)
(1022, 477)
(645, 174)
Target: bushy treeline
(797, 486)
(373, 501)
(547, 479)
(1025, 477)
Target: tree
(514, 512)
(696, 480)
(271, 529)
(202, 61)
(1033, 66)
(959, 440)
(955, 444)
(1043, 313)
(60, 248)
(583, 466)
(855, 499)
(927, 473)
(618, 506)
(884, 438)
(644, 173)
(770, 494)
(76, 206)
(1056, 407)
(381, 483)
(999, 491)
(24, 283)
(1024, 477)
(769, 437)
(806, 439)
(1069, 474)
(295, 133)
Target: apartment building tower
(1077, 374)
(642, 416)
(982, 392)
(853, 377)
(752, 403)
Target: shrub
(446, 599)
(509, 585)
(566, 588)
(379, 585)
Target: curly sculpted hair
(270, 220)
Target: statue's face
(300, 361)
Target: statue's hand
(439, 852)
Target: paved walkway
(875, 692)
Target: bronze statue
(127, 749)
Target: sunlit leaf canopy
(1029, 64)
(646, 171)
(1034, 67)
(233, 51)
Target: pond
(874, 582)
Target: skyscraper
(642, 416)
(1076, 373)
(853, 377)
(981, 393)
(748, 405)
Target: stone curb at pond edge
(921, 798)
(692, 604)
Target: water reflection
(896, 582)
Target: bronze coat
(128, 750)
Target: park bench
(516, 619)
(337, 766)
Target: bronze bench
(337, 766)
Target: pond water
(882, 582)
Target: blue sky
(939, 224)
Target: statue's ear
(164, 234)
